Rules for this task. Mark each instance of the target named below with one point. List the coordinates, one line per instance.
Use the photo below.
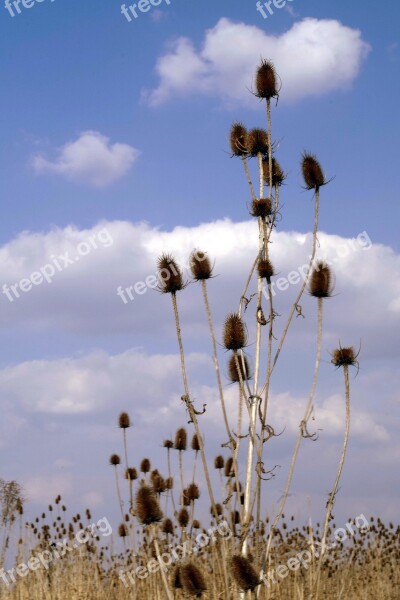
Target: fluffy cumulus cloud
(91, 159)
(312, 58)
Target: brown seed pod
(192, 579)
(196, 524)
(266, 80)
(229, 470)
(122, 530)
(145, 466)
(233, 371)
(131, 474)
(219, 462)
(235, 517)
(169, 483)
(235, 336)
(200, 265)
(193, 492)
(321, 281)
(344, 356)
(265, 268)
(180, 439)
(257, 142)
(261, 207)
(124, 421)
(168, 527)
(244, 573)
(218, 510)
(195, 445)
(278, 176)
(238, 139)
(313, 174)
(176, 578)
(170, 278)
(168, 444)
(115, 460)
(183, 517)
(147, 508)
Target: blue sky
(96, 132)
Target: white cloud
(312, 58)
(91, 159)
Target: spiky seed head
(234, 374)
(195, 445)
(265, 268)
(122, 530)
(244, 573)
(180, 439)
(257, 142)
(278, 176)
(131, 474)
(169, 483)
(193, 492)
(115, 460)
(168, 444)
(266, 80)
(185, 498)
(313, 174)
(176, 578)
(196, 524)
(200, 265)
(219, 462)
(145, 466)
(147, 508)
(235, 517)
(183, 517)
(238, 139)
(217, 512)
(235, 336)
(168, 527)
(344, 357)
(261, 207)
(158, 482)
(124, 421)
(229, 470)
(321, 281)
(170, 278)
(192, 579)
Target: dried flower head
(219, 462)
(278, 176)
(261, 207)
(124, 421)
(313, 174)
(344, 357)
(238, 139)
(218, 510)
(265, 268)
(200, 265)
(195, 445)
(168, 444)
(266, 80)
(229, 470)
(257, 142)
(192, 580)
(147, 508)
(233, 370)
(244, 573)
(321, 281)
(145, 466)
(115, 460)
(193, 492)
(180, 439)
(183, 517)
(168, 527)
(170, 276)
(196, 524)
(131, 474)
(176, 578)
(122, 530)
(235, 336)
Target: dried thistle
(229, 470)
(169, 275)
(321, 281)
(147, 508)
(145, 466)
(235, 336)
(233, 370)
(180, 439)
(115, 460)
(244, 573)
(257, 142)
(265, 268)
(219, 462)
(344, 356)
(278, 176)
(195, 445)
(238, 139)
(200, 265)
(313, 174)
(261, 207)
(192, 580)
(131, 474)
(266, 80)
(124, 421)
(183, 517)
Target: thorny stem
(246, 170)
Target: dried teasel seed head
(115, 460)
(257, 142)
(244, 573)
(219, 462)
(169, 483)
(265, 268)
(200, 265)
(168, 527)
(193, 492)
(235, 517)
(234, 374)
(185, 498)
(122, 530)
(176, 578)
(192, 579)
(313, 174)
(131, 474)
(196, 524)
(235, 336)
(321, 281)
(344, 357)
(180, 439)
(168, 444)
(218, 510)
(124, 421)
(238, 139)
(229, 470)
(183, 517)
(145, 466)
(170, 278)
(278, 176)
(261, 207)
(147, 508)
(266, 80)
(195, 445)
